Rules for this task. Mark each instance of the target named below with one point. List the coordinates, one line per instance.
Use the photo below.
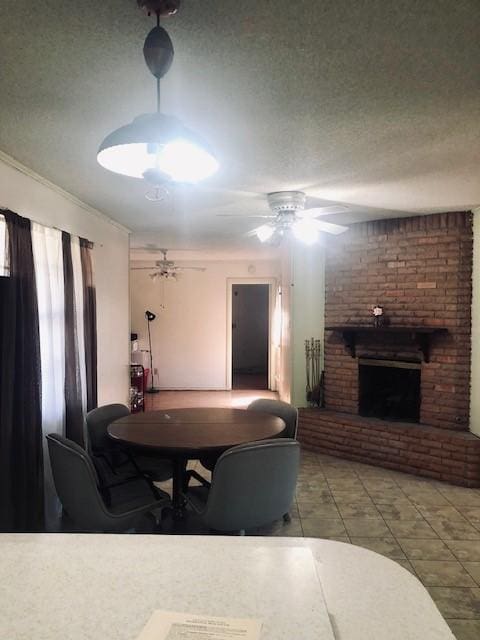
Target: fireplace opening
(389, 389)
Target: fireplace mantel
(421, 335)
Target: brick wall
(419, 270)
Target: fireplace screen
(389, 389)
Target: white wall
(31, 196)
(190, 335)
(475, 364)
(308, 311)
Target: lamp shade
(157, 145)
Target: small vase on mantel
(378, 316)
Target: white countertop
(85, 587)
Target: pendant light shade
(156, 146)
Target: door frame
(272, 289)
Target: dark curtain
(73, 388)
(89, 322)
(21, 457)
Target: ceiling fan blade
(316, 212)
(241, 215)
(142, 268)
(190, 268)
(253, 232)
(328, 227)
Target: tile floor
(430, 528)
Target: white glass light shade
(157, 143)
(306, 231)
(265, 232)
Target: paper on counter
(170, 625)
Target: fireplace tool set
(314, 387)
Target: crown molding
(18, 166)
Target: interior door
(250, 336)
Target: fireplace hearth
(389, 389)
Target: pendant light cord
(158, 79)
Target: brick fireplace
(398, 396)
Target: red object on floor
(137, 382)
(145, 377)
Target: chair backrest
(283, 410)
(253, 484)
(76, 484)
(97, 424)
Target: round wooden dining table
(188, 434)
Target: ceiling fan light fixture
(265, 232)
(306, 231)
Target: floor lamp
(150, 318)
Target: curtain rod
(47, 226)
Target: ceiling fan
(289, 215)
(166, 269)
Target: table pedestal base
(178, 499)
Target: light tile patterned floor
(430, 528)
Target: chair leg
(287, 517)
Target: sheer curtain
(48, 260)
(74, 415)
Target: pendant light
(156, 147)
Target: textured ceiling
(373, 103)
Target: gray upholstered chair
(283, 410)
(121, 460)
(76, 483)
(252, 485)
(287, 412)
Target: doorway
(250, 308)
